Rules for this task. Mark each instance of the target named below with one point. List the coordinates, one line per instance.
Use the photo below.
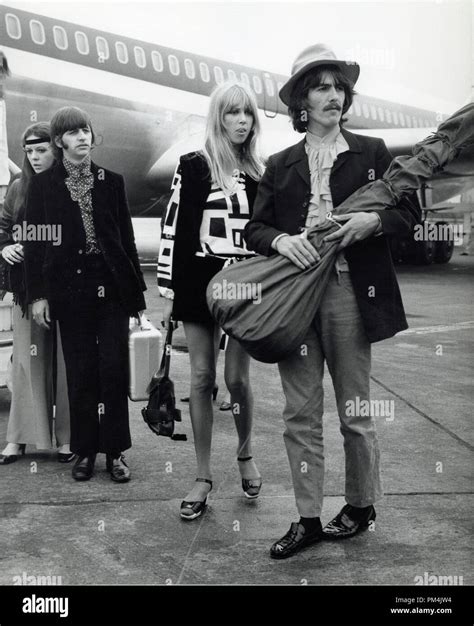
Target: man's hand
(358, 226)
(40, 312)
(299, 250)
(13, 253)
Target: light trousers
(336, 337)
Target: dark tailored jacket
(57, 272)
(281, 206)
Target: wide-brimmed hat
(312, 57)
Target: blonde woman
(213, 192)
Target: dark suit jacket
(57, 272)
(281, 206)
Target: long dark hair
(309, 81)
(41, 130)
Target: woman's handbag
(5, 275)
(11, 276)
(267, 303)
(161, 412)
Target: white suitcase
(144, 351)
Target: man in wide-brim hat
(361, 304)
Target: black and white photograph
(236, 312)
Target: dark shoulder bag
(161, 412)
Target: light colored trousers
(31, 411)
(336, 336)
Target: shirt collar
(316, 142)
(78, 169)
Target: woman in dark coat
(31, 411)
(212, 198)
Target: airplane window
(189, 68)
(13, 26)
(395, 117)
(231, 75)
(82, 43)
(270, 86)
(373, 112)
(140, 57)
(173, 64)
(402, 119)
(257, 83)
(121, 52)
(102, 49)
(357, 109)
(37, 32)
(381, 114)
(388, 115)
(245, 79)
(204, 71)
(157, 61)
(60, 37)
(365, 109)
(218, 74)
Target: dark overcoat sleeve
(402, 219)
(260, 230)
(7, 216)
(126, 231)
(35, 250)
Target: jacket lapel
(61, 195)
(100, 189)
(354, 148)
(298, 157)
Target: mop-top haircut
(68, 118)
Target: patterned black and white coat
(203, 227)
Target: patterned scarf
(80, 184)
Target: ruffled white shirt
(322, 152)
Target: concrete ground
(99, 532)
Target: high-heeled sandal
(191, 510)
(215, 390)
(251, 486)
(6, 459)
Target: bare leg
(236, 374)
(201, 340)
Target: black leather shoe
(191, 510)
(349, 521)
(83, 468)
(66, 457)
(295, 540)
(6, 459)
(118, 469)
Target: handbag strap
(166, 358)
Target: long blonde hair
(218, 149)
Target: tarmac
(99, 532)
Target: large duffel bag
(267, 303)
